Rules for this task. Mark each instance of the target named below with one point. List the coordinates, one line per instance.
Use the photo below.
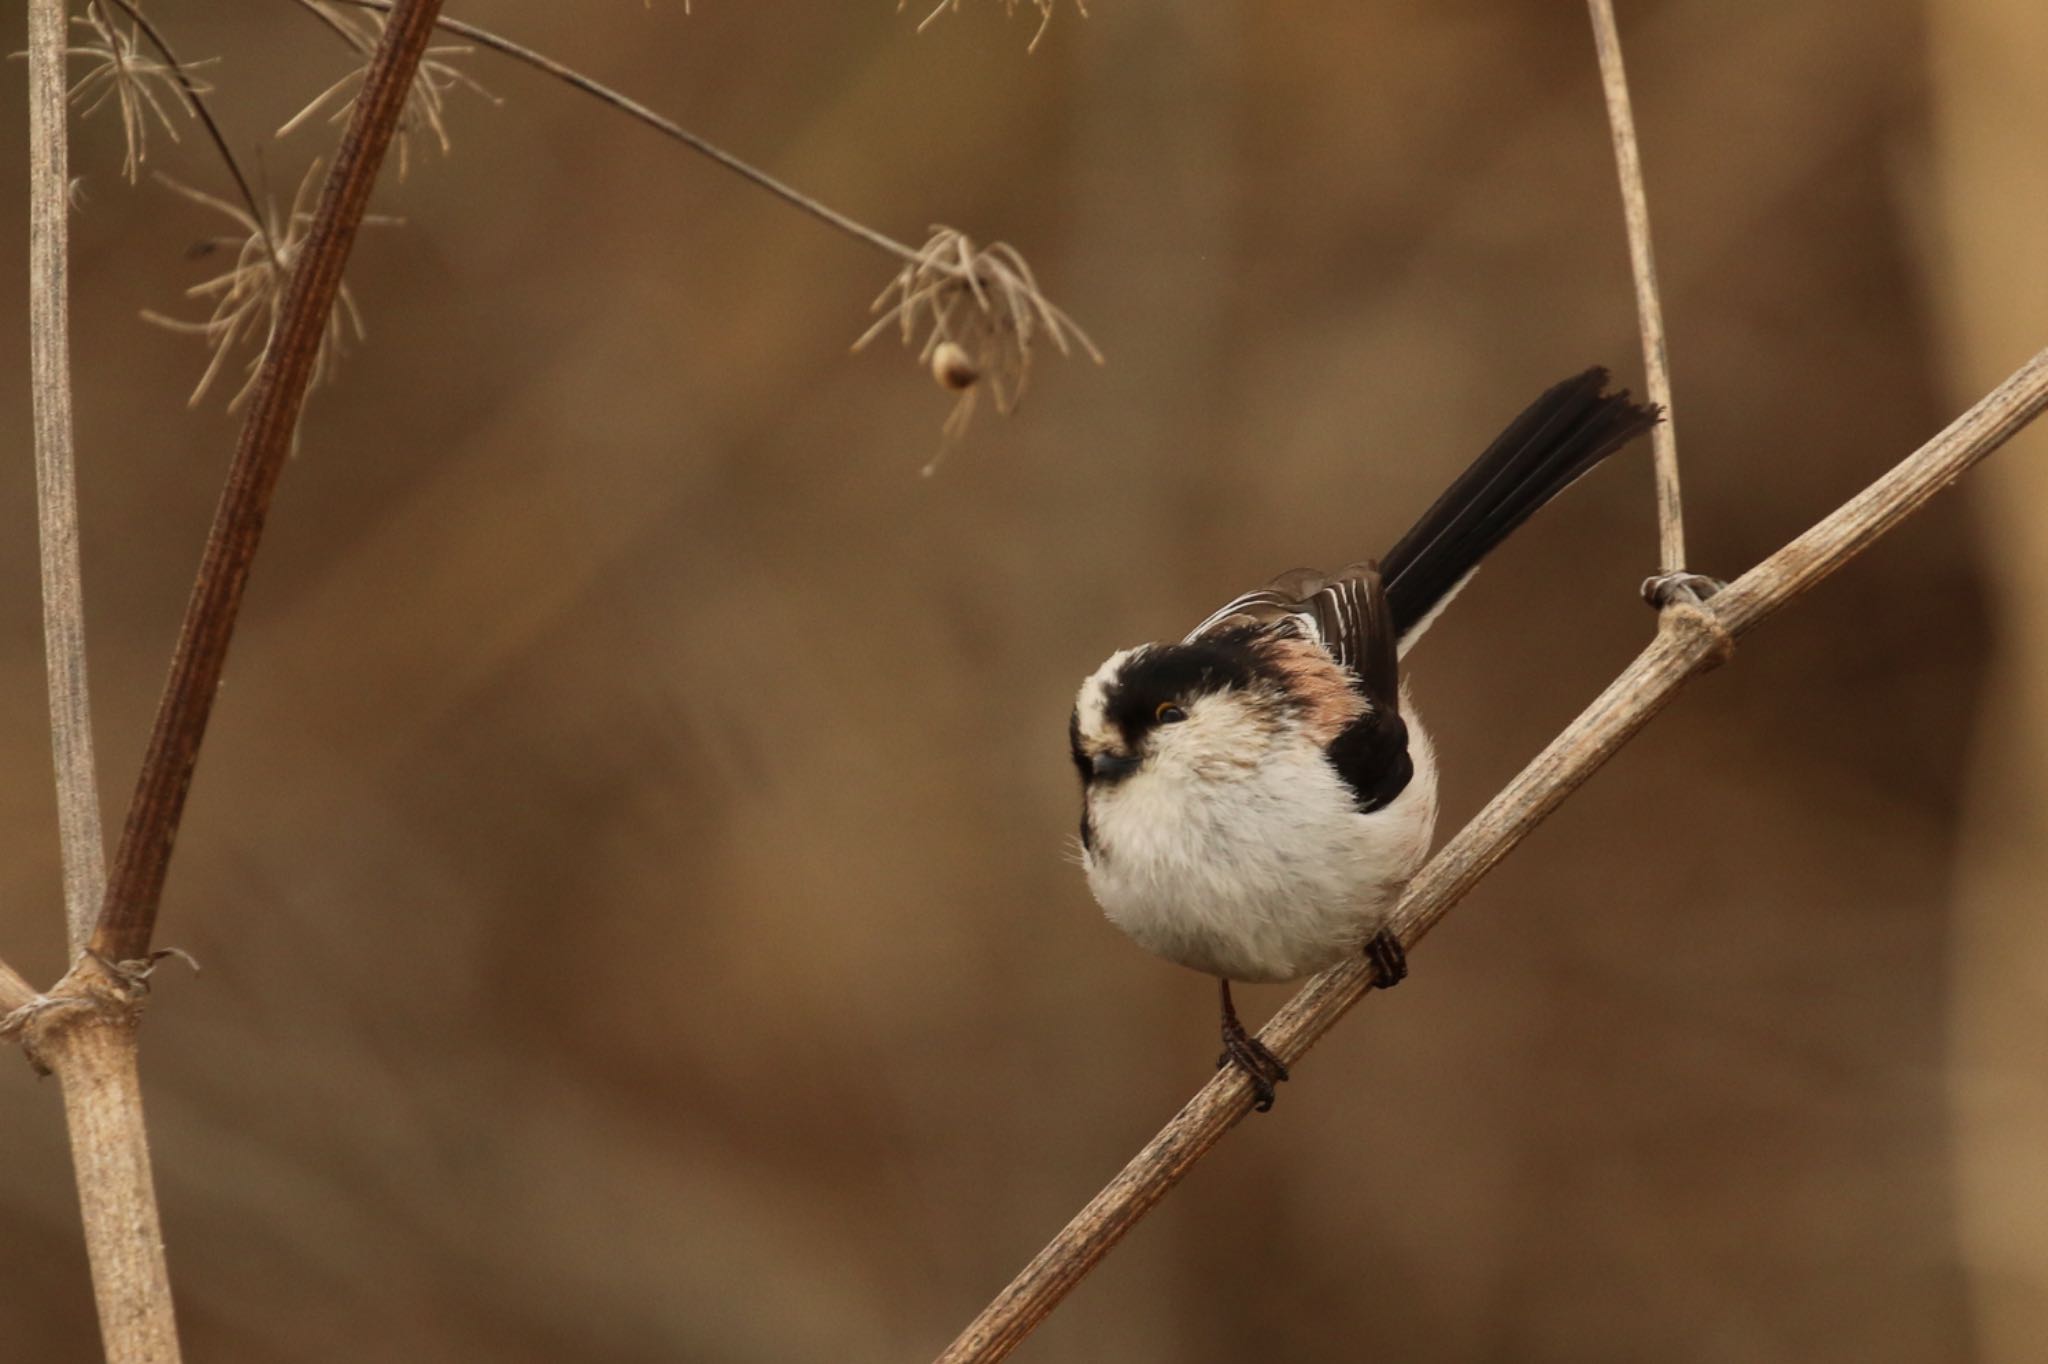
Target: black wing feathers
(1372, 757)
(1561, 435)
(1358, 629)
(1371, 754)
(1360, 613)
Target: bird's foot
(1389, 960)
(1255, 1059)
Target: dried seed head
(137, 83)
(247, 299)
(425, 101)
(952, 367)
(1044, 8)
(979, 309)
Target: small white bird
(1255, 798)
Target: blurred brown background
(627, 864)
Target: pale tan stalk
(1635, 207)
(85, 1030)
(78, 798)
(85, 1034)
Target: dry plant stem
(92, 1052)
(129, 915)
(787, 193)
(1690, 639)
(1649, 302)
(78, 796)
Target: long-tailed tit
(1255, 798)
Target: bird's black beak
(1111, 766)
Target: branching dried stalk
(85, 1035)
(1691, 639)
(979, 309)
(1635, 207)
(83, 1031)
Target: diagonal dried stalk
(1691, 639)
(128, 917)
(979, 309)
(1635, 206)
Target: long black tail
(1563, 434)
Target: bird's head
(1200, 710)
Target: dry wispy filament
(1044, 8)
(979, 310)
(425, 102)
(123, 73)
(247, 298)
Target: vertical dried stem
(78, 799)
(128, 917)
(93, 1055)
(1649, 303)
(89, 1039)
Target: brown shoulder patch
(1329, 702)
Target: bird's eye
(1169, 714)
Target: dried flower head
(134, 80)
(1044, 8)
(247, 299)
(979, 310)
(425, 102)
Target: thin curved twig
(540, 61)
(1691, 638)
(1635, 206)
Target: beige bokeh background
(627, 864)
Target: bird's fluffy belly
(1266, 873)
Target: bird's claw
(1258, 1063)
(1389, 960)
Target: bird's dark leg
(1249, 1055)
(1389, 960)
